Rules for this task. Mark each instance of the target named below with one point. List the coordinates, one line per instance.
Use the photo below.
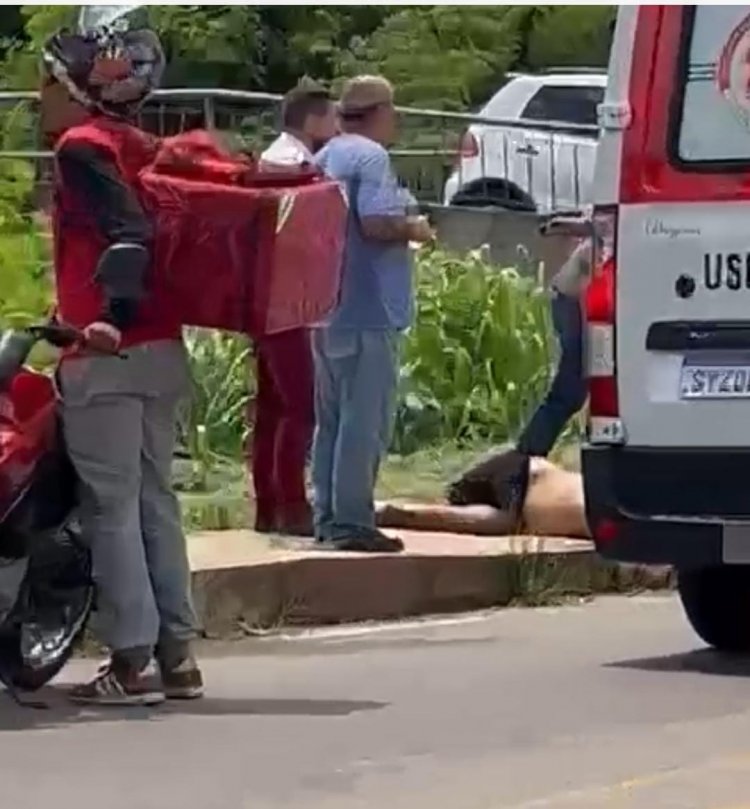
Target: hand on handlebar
(102, 338)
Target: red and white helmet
(106, 69)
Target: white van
(667, 463)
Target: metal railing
(523, 164)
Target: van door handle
(696, 335)
(527, 149)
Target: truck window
(573, 105)
(711, 118)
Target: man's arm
(381, 205)
(121, 221)
(387, 228)
(572, 277)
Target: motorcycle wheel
(52, 613)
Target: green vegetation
(450, 57)
(478, 355)
(475, 362)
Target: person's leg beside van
(567, 393)
(368, 392)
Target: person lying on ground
(506, 493)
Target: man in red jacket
(120, 392)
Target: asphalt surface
(610, 704)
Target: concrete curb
(317, 589)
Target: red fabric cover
(28, 417)
(239, 249)
(236, 248)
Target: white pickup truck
(533, 146)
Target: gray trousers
(119, 417)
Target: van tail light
(468, 146)
(605, 426)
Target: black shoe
(375, 542)
(183, 681)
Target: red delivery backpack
(240, 249)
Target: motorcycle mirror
(15, 347)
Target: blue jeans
(356, 374)
(567, 393)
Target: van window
(574, 105)
(712, 112)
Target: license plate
(715, 382)
(735, 544)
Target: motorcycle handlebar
(57, 335)
(15, 346)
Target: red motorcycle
(46, 588)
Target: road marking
(429, 622)
(343, 632)
(735, 806)
(613, 792)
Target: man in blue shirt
(356, 352)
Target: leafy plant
(478, 356)
(214, 423)
(442, 56)
(475, 362)
(25, 283)
(25, 290)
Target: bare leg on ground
(554, 506)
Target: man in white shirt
(309, 122)
(284, 414)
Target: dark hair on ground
(307, 98)
(500, 479)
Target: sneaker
(118, 684)
(184, 681)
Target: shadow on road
(699, 661)
(60, 713)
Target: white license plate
(735, 544)
(715, 382)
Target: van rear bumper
(663, 507)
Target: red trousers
(284, 423)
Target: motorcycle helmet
(106, 69)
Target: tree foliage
(570, 36)
(440, 56)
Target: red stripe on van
(646, 174)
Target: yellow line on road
(611, 792)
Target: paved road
(611, 704)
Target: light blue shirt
(376, 289)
